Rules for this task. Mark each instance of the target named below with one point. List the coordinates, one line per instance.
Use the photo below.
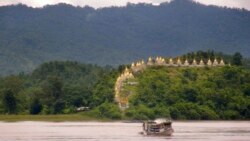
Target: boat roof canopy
(162, 120)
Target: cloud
(92, 3)
(229, 3)
(106, 3)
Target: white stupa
(179, 62)
(170, 61)
(150, 61)
(201, 63)
(209, 63)
(194, 63)
(222, 63)
(215, 63)
(186, 63)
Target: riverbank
(83, 117)
(52, 118)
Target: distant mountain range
(117, 35)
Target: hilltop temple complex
(159, 61)
(128, 74)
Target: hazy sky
(104, 3)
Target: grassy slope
(53, 118)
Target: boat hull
(167, 132)
(158, 127)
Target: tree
(237, 59)
(13, 83)
(53, 89)
(35, 107)
(103, 90)
(77, 95)
(59, 106)
(190, 94)
(190, 75)
(9, 102)
(109, 110)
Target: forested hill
(116, 35)
(180, 92)
(191, 93)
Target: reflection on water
(97, 131)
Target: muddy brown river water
(119, 131)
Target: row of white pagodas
(196, 63)
(120, 80)
(140, 65)
(160, 61)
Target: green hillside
(191, 93)
(116, 35)
(55, 88)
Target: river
(119, 131)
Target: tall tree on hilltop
(237, 59)
(9, 102)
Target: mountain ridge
(116, 35)
(123, 6)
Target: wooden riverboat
(158, 127)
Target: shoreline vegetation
(82, 118)
(52, 118)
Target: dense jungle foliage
(179, 92)
(192, 93)
(56, 87)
